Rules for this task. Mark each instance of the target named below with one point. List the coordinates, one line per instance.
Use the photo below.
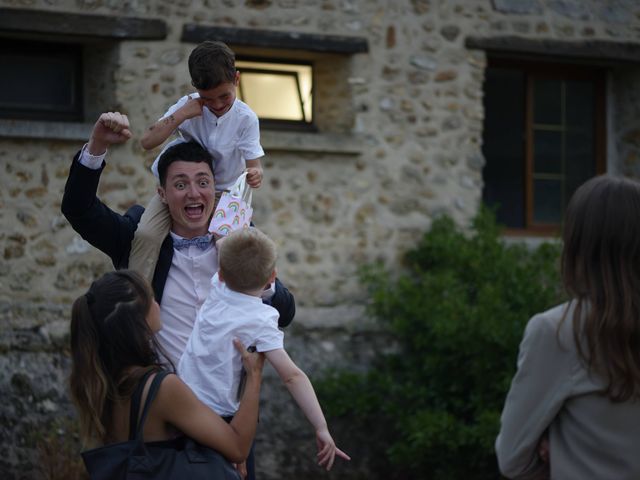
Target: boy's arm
(302, 392)
(298, 385)
(157, 133)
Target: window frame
(281, 124)
(33, 49)
(548, 69)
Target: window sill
(272, 141)
(531, 239)
(40, 129)
(327, 143)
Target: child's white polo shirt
(231, 139)
(210, 364)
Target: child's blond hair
(247, 259)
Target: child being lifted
(225, 126)
(234, 309)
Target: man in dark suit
(188, 257)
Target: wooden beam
(600, 51)
(275, 39)
(21, 21)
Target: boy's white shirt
(231, 139)
(210, 364)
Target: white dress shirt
(186, 289)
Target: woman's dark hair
(601, 271)
(112, 346)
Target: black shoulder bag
(134, 459)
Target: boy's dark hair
(185, 152)
(211, 64)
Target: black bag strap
(136, 425)
(135, 403)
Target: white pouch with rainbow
(233, 211)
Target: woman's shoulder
(555, 322)
(549, 318)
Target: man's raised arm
(111, 128)
(96, 223)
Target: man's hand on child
(111, 128)
(254, 177)
(327, 449)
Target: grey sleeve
(538, 390)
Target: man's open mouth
(194, 210)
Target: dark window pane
(503, 146)
(547, 152)
(580, 161)
(37, 83)
(40, 81)
(547, 201)
(580, 105)
(547, 102)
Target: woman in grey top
(573, 409)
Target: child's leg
(152, 230)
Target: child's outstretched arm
(302, 391)
(157, 133)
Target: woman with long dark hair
(573, 410)
(113, 347)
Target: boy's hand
(111, 128)
(327, 449)
(193, 108)
(254, 177)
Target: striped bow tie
(201, 242)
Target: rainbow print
(224, 229)
(219, 214)
(236, 220)
(233, 206)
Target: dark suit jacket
(112, 233)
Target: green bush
(457, 313)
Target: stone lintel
(15, 21)
(600, 51)
(275, 39)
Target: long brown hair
(112, 346)
(601, 272)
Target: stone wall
(399, 142)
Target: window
(58, 69)
(543, 137)
(279, 93)
(294, 80)
(40, 81)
